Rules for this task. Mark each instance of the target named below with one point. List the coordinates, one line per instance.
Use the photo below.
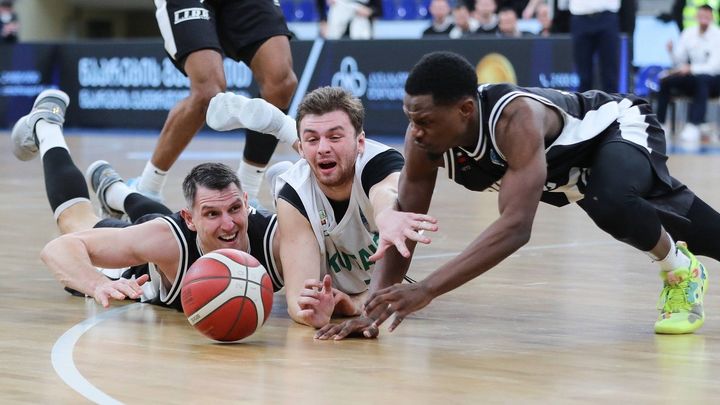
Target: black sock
(137, 205)
(63, 180)
(259, 147)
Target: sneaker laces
(673, 298)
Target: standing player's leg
(41, 132)
(207, 78)
(272, 68)
(193, 44)
(617, 203)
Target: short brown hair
(327, 99)
(213, 176)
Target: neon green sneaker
(681, 299)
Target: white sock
(675, 259)
(251, 178)
(116, 194)
(233, 111)
(152, 179)
(49, 136)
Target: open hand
(317, 302)
(119, 290)
(360, 326)
(395, 227)
(399, 299)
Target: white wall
(45, 20)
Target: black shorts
(236, 28)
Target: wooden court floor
(568, 319)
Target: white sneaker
(100, 175)
(50, 105)
(689, 139)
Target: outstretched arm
(309, 301)
(520, 137)
(73, 258)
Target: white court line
(529, 248)
(62, 357)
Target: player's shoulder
(260, 217)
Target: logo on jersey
(193, 13)
(323, 222)
(495, 158)
(350, 78)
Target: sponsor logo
(324, 222)
(350, 78)
(193, 13)
(495, 68)
(376, 86)
(495, 158)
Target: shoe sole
(90, 170)
(52, 93)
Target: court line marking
(62, 351)
(62, 357)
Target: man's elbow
(520, 233)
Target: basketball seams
(235, 322)
(242, 306)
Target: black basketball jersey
(589, 120)
(261, 231)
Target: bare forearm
(490, 248)
(384, 199)
(70, 264)
(391, 269)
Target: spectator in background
(485, 16)
(696, 72)
(683, 12)
(465, 26)
(595, 29)
(441, 19)
(352, 17)
(542, 13)
(9, 25)
(508, 24)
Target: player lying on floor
(328, 201)
(161, 245)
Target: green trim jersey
(346, 240)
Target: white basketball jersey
(346, 246)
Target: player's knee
(278, 89)
(609, 212)
(205, 88)
(201, 96)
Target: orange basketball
(227, 295)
